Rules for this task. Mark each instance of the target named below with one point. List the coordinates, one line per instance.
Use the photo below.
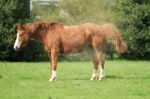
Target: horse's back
(75, 38)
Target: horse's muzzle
(16, 48)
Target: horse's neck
(39, 35)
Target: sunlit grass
(124, 80)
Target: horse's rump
(111, 32)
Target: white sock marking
(53, 77)
(101, 72)
(94, 75)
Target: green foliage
(81, 11)
(11, 13)
(74, 11)
(135, 23)
(49, 12)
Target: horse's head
(22, 37)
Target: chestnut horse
(58, 38)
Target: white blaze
(17, 41)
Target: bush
(11, 13)
(135, 24)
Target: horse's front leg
(53, 56)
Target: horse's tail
(111, 32)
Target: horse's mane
(43, 25)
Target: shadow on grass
(127, 77)
(1, 76)
(108, 77)
(114, 77)
(29, 78)
(81, 79)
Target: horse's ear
(20, 27)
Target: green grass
(27, 80)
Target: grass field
(124, 80)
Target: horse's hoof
(93, 78)
(51, 80)
(100, 78)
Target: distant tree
(81, 11)
(134, 21)
(48, 12)
(11, 13)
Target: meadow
(29, 80)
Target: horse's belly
(74, 47)
(74, 42)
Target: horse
(58, 38)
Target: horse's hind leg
(101, 66)
(95, 70)
(101, 61)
